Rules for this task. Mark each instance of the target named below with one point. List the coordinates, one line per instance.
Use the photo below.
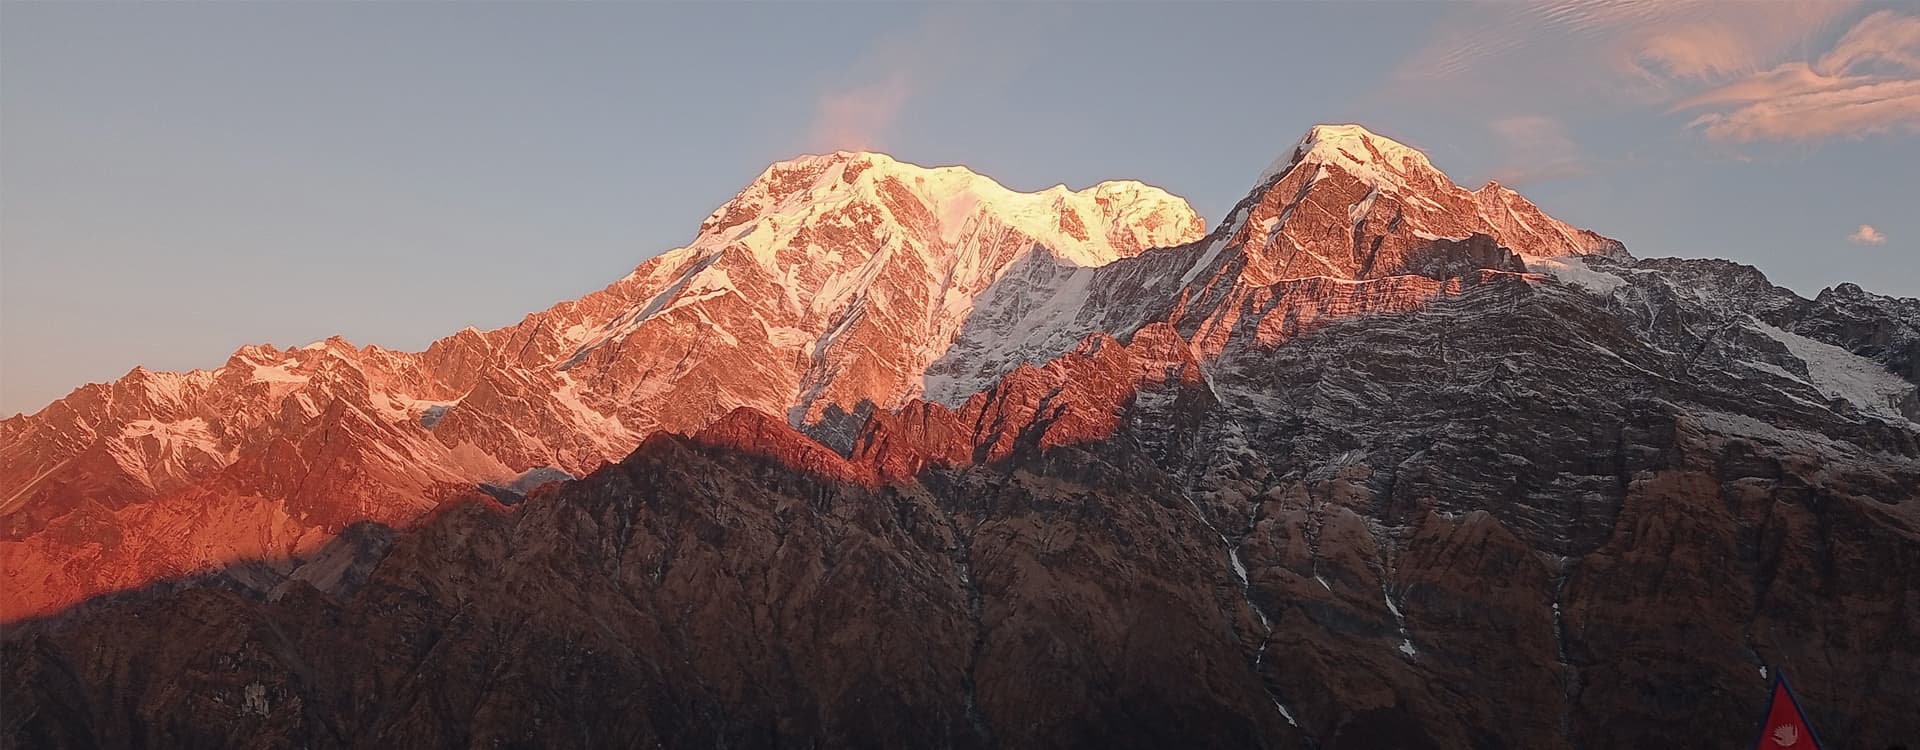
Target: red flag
(1786, 727)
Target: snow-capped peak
(1367, 155)
(1351, 203)
(1092, 226)
(1359, 145)
(859, 262)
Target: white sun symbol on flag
(1785, 735)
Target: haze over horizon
(181, 180)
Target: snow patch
(1574, 270)
(277, 373)
(1284, 713)
(1774, 370)
(1205, 261)
(1239, 568)
(175, 438)
(1359, 212)
(1406, 638)
(1740, 425)
(709, 283)
(1838, 373)
(614, 438)
(1352, 147)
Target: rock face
(1379, 462)
(1345, 205)
(830, 280)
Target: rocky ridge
(1500, 486)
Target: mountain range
(895, 456)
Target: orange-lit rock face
(1344, 206)
(1076, 399)
(831, 279)
(834, 280)
(1352, 204)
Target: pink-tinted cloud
(860, 114)
(1867, 235)
(1743, 72)
(1787, 80)
(1847, 111)
(1868, 83)
(1707, 42)
(1884, 37)
(1650, 48)
(946, 54)
(858, 118)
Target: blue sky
(179, 179)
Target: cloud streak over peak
(858, 118)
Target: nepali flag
(1786, 727)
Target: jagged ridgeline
(896, 456)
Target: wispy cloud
(860, 113)
(1743, 72)
(1868, 83)
(1850, 108)
(1705, 42)
(858, 118)
(1537, 149)
(947, 53)
(1867, 235)
(1647, 49)
(1885, 37)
